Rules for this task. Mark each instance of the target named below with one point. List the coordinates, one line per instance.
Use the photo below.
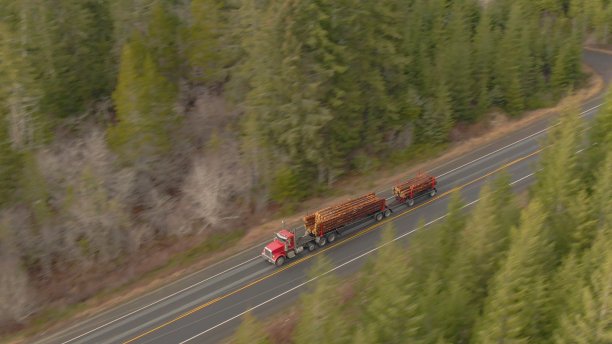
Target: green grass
(415, 153)
(213, 243)
(45, 319)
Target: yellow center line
(204, 305)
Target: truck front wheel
(280, 261)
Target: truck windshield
(281, 238)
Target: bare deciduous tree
(216, 189)
(89, 196)
(16, 296)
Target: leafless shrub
(99, 221)
(63, 165)
(215, 190)
(88, 196)
(16, 302)
(16, 296)
(140, 236)
(209, 115)
(158, 208)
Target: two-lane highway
(206, 306)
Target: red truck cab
(276, 251)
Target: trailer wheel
(280, 261)
(331, 237)
(311, 246)
(322, 241)
(432, 192)
(378, 216)
(387, 212)
(410, 202)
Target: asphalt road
(205, 307)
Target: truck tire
(387, 212)
(311, 246)
(280, 261)
(331, 237)
(379, 216)
(322, 241)
(410, 202)
(433, 192)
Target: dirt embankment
(494, 127)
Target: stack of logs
(416, 185)
(342, 214)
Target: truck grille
(268, 253)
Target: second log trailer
(326, 224)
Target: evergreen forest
(501, 273)
(126, 125)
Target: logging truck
(325, 225)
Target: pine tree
(321, 308)
(530, 63)
(515, 309)
(558, 179)
(74, 56)
(250, 331)
(592, 321)
(508, 61)
(483, 244)
(287, 188)
(602, 196)
(514, 94)
(144, 102)
(431, 249)
(600, 139)
(437, 119)
(163, 42)
(566, 279)
(567, 66)
(584, 222)
(484, 52)
(601, 21)
(207, 37)
(431, 253)
(20, 92)
(455, 58)
(375, 66)
(507, 209)
(389, 312)
(291, 83)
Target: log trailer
(327, 224)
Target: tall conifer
(515, 309)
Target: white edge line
(158, 301)
(513, 143)
(525, 177)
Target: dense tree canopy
(492, 276)
(119, 119)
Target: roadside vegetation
(128, 124)
(501, 273)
